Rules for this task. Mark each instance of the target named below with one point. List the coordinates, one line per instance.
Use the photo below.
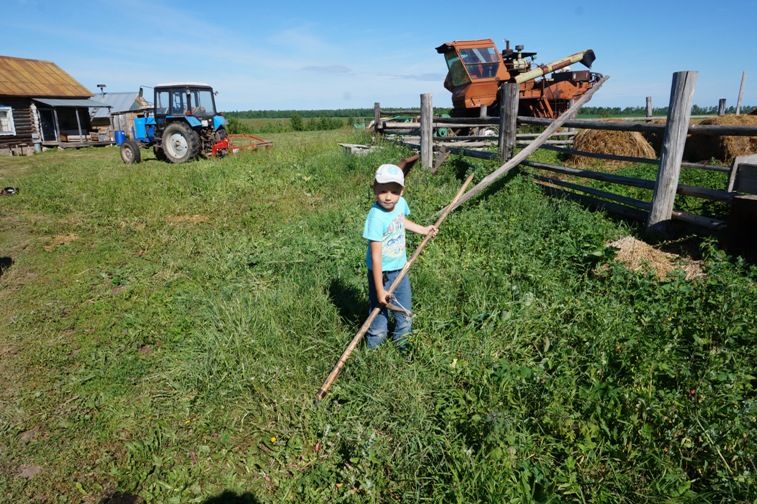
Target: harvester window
(481, 62)
(457, 73)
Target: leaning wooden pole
(528, 150)
(364, 328)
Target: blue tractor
(182, 125)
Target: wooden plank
(466, 121)
(527, 151)
(721, 107)
(741, 93)
(632, 159)
(630, 212)
(649, 107)
(743, 177)
(643, 205)
(671, 153)
(427, 139)
(616, 125)
(686, 190)
(470, 152)
(376, 116)
(594, 203)
(508, 126)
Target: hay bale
(723, 148)
(619, 143)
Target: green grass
(171, 345)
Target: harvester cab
(182, 125)
(476, 69)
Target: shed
(123, 108)
(42, 105)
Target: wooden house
(41, 105)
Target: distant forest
(368, 112)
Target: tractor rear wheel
(180, 143)
(130, 152)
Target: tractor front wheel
(180, 143)
(130, 152)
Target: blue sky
(339, 54)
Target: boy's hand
(431, 230)
(383, 296)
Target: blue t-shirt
(389, 229)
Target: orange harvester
(476, 69)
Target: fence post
(671, 154)
(376, 117)
(649, 107)
(427, 130)
(508, 119)
(721, 107)
(741, 93)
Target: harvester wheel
(130, 152)
(180, 143)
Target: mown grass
(170, 342)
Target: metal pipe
(585, 57)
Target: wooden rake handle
(364, 328)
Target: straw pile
(620, 143)
(637, 255)
(723, 148)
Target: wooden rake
(364, 328)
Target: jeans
(403, 298)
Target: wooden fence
(428, 134)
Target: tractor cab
(185, 100)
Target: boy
(386, 255)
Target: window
(456, 74)
(161, 102)
(177, 102)
(202, 103)
(481, 63)
(6, 121)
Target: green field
(165, 329)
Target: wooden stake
(364, 328)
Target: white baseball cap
(390, 173)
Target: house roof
(37, 78)
(118, 102)
(71, 102)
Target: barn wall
(22, 119)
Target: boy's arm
(422, 230)
(378, 277)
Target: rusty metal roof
(28, 77)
